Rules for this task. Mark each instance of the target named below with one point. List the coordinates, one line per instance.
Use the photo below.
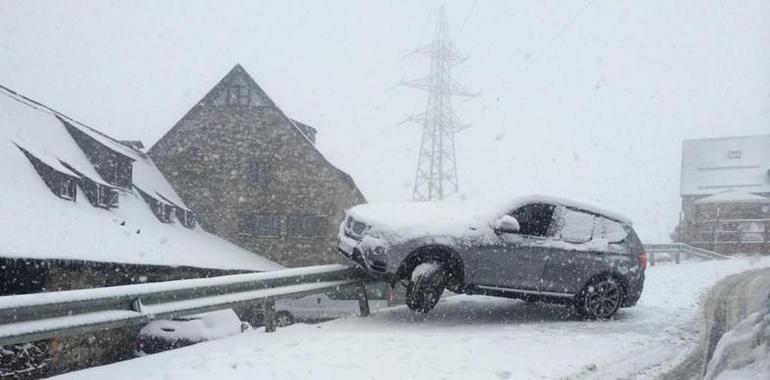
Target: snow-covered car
(534, 248)
(162, 335)
(331, 305)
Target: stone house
(82, 210)
(254, 175)
(725, 190)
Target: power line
(467, 17)
(555, 38)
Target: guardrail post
(268, 312)
(676, 256)
(363, 299)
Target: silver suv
(534, 248)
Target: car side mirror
(506, 224)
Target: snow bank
(196, 328)
(465, 337)
(743, 352)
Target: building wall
(697, 218)
(229, 162)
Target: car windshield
(384, 189)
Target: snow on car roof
(572, 204)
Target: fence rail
(680, 251)
(30, 317)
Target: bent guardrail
(31, 317)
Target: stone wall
(230, 162)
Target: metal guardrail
(679, 250)
(31, 317)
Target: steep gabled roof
(38, 225)
(238, 75)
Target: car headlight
(355, 229)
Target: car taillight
(643, 260)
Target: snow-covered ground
(464, 337)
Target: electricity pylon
(436, 175)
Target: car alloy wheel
(424, 291)
(603, 299)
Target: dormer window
(114, 167)
(162, 210)
(98, 193)
(186, 217)
(59, 179)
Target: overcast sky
(586, 100)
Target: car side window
(534, 219)
(609, 229)
(574, 226)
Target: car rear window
(609, 229)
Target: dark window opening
(262, 225)
(238, 95)
(305, 226)
(261, 175)
(534, 219)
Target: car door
(517, 260)
(580, 252)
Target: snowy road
(465, 337)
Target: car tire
(426, 286)
(283, 319)
(601, 298)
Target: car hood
(419, 219)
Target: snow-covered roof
(733, 197)
(711, 166)
(37, 224)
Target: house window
(67, 188)
(262, 225)
(238, 95)
(106, 197)
(260, 174)
(305, 226)
(733, 154)
(186, 217)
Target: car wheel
(283, 319)
(601, 298)
(425, 288)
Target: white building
(725, 189)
